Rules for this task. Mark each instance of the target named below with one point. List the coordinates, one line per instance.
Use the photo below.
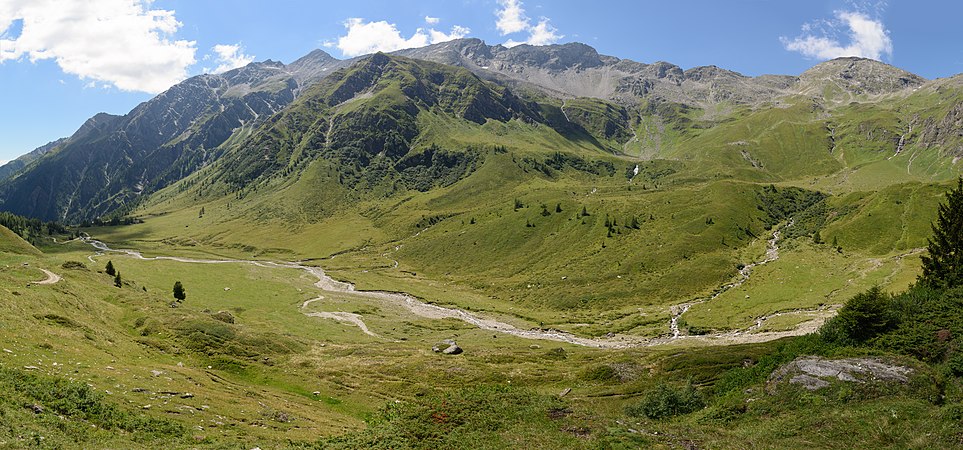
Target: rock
(453, 350)
(187, 395)
(447, 347)
(223, 316)
(156, 373)
(37, 409)
(815, 373)
(564, 392)
(534, 346)
(444, 345)
(809, 382)
(316, 393)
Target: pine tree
(110, 268)
(117, 281)
(558, 207)
(179, 293)
(943, 268)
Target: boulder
(813, 373)
(447, 347)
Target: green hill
(10, 242)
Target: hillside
(474, 246)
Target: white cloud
(230, 56)
(512, 19)
(868, 38)
(543, 34)
(119, 42)
(370, 37)
(432, 20)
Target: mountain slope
(112, 160)
(9, 169)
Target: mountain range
(113, 162)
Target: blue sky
(62, 61)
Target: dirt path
(51, 278)
(430, 311)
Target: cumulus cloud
(867, 38)
(370, 37)
(512, 19)
(122, 43)
(432, 20)
(230, 56)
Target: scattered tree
(472, 221)
(943, 267)
(179, 293)
(117, 281)
(864, 316)
(558, 207)
(200, 213)
(110, 268)
(584, 212)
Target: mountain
(7, 170)
(577, 70)
(112, 161)
(614, 106)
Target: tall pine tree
(943, 268)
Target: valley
(590, 232)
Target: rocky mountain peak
(857, 76)
(573, 55)
(708, 73)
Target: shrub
(666, 401)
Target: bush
(666, 401)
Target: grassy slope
(499, 393)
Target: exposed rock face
(814, 373)
(577, 70)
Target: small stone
(37, 409)
(156, 373)
(534, 346)
(31, 367)
(316, 393)
(187, 395)
(7, 350)
(564, 392)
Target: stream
(430, 311)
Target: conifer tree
(110, 268)
(117, 280)
(179, 293)
(943, 267)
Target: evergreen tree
(117, 281)
(110, 268)
(943, 268)
(558, 207)
(179, 293)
